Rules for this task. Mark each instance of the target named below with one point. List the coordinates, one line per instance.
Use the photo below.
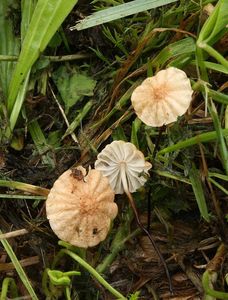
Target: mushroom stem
(132, 203)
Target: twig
(14, 233)
(57, 58)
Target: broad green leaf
(46, 19)
(194, 177)
(119, 11)
(72, 85)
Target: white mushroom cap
(124, 165)
(80, 208)
(160, 99)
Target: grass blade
(19, 269)
(9, 45)
(220, 137)
(214, 67)
(194, 177)
(18, 103)
(27, 9)
(224, 190)
(77, 121)
(40, 143)
(216, 23)
(25, 187)
(200, 138)
(119, 11)
(46, 19)
(184, 46)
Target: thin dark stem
(132, 203)
(148, 209)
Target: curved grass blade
(19, 269)
(46, 19)
(200, 138)
(8, 285)
(119, 11)
(214, 67)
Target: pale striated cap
(160, 99)
(80, 207)
(124, 165)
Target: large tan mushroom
(160, 99)
(80, 207)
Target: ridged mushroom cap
(124, 165)
(160, 99)
(80, 207)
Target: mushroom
(160, 99)
(124, 165)
(80, 207)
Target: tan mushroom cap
(80, 208)
(160, 99)
(124, 165)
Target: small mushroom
(80, 207)
(160, 99)
(124, 165)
